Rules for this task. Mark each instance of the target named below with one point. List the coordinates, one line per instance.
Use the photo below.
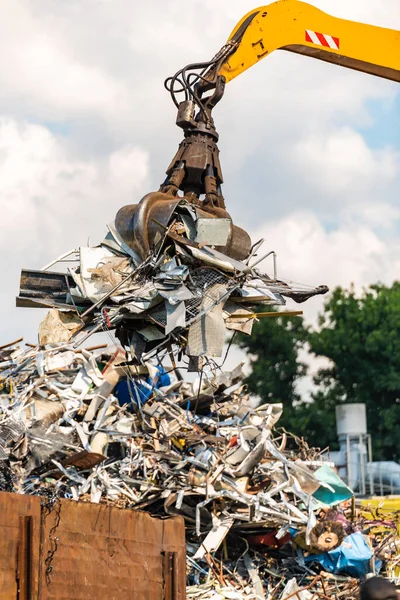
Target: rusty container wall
(83, 551)
(105, 552)
(20, 519)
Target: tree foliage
(360, 337)
(273, 349)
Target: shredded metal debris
(184, 295)
(266, 516)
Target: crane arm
(196, 88)
(301, 28)
(289, 25)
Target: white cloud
(374, 13)
(291, 153)
(381, 216)
(310, 254)
(52, 202)
(40, 183)
(39, 73)
(339, 163)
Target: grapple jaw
(143, 225)
(193, 184)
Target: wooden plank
(22, 302)
(49, 281)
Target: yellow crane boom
(297, 27)
(196, 89)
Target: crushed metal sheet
(242, 324)
(207, 333)
(212, 232)
(109, 287)
(215, 537)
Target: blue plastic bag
(352, 557)
(128, 389)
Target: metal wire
(201, 280)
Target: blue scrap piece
(140, 390)
(352, 557)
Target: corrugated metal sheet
(90, 551)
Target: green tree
(273, 349)
(360, 335)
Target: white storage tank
(351, 419)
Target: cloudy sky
(310, 152)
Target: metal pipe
(250, 267)
(348, 456)
(371, 479)
(275, 266)
(59, 258)
(362, 464)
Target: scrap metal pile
(266, 516)
(181, 294)
(120, 424)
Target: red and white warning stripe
(322, 39)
